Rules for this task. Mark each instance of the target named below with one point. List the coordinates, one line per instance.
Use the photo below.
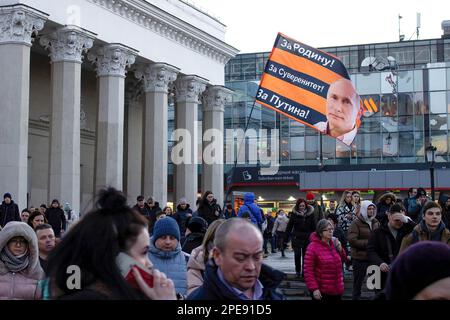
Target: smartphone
(125, 263)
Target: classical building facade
(85, 87)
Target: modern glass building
(408, 102)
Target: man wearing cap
(166, 255)
(318, 213)
(9, 211)
(422, 272)
(195, 232)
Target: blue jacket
(214, 289)
(172, 263)
(250, 206)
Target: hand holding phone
(126, 263)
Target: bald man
(343, 110)
(236, 271)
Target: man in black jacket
(9, 211)
(236, 271)
(384, 243)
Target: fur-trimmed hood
(20, 229)
(309, 210)
(387, 195)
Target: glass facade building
(413, 104)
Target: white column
(134, 146)
(66, 47)
(111, 61)
(17, 24)
(188, 90)
(214, 100)
(157, 78)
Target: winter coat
(421, 233)
(71, 218)
(343, 212)
(195, 270)
(412, 208)
(9, 212)
(145, 210)
(152, 212)
(192, 241)
(377, 247)
(209, 211)
(383, 208)
(229, 215)
(172, 263)
(182, 216)
(280, 224)
(339, 234)
(301, 227)
(214, 289)
(23, 284)
(249, 205)
(323, 267)
(359, 232)
(57, 219)
(270, 224)
(318, 212)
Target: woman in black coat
(301, 225)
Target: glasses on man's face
(21, 242)
(329, 229)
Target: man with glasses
(236, 271)
(153, 211)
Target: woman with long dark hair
(301, 224)
(93, 245)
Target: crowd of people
(210, 253)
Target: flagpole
(230, 176)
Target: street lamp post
(430, 153)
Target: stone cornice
(215, 98)
(18, 23)
(157, 77)
(150, 17)
(189, 88)
(68, 44)
(112, 59)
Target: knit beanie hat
(419, 266)
(310, 196)
(7, 195)
(197, 224)
(166, 227)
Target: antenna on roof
(418, 24)
(401, 36)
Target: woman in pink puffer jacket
(323, 264)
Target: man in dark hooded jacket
(236, 271)
(9, 211)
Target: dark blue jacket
(181, 216)
(250, 206)
(214, 289)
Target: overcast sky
(252, 25)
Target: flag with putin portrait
(296, 83)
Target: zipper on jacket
(13, 274)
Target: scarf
(12, 262)
(433, 235)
